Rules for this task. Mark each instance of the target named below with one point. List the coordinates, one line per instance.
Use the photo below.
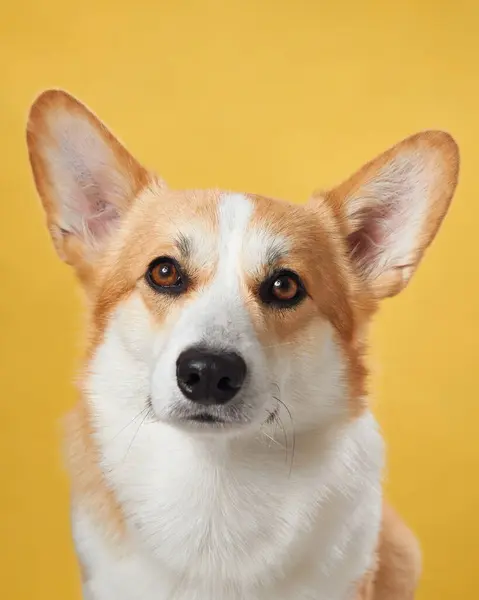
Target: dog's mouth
(214, 417)
(210, 420)
(224, 417)
(205, 418)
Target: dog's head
(223, 310)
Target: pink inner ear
(389, 211)
(387, 236)
(89, 181)
(367, 244)
(101, 222)
(86, 210)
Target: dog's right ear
(392, 208)
(85, 177)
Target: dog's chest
(253, 533)
(250, 557)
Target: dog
(222, 447)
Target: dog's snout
(210, 377)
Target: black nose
(210, 378)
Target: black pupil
(282, 284)
(167, 273)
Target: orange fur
(88, 480)
(398, 566)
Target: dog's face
(223, 312)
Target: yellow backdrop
(271, 96)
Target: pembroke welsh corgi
(222, 447)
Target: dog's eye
(283, 289)
(164, 275)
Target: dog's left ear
(85, 177)
(391, 209)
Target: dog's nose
(210, 378)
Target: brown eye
(283, 289)
(164, 275)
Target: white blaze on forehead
(217, 315)
(247, 245)
(234, 212)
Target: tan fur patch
(396, 573)
(89, 484)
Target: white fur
(269, 512)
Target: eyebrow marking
(184, 245)
(274, 253)
(263, 250)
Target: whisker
(293, 448)
(134, 436)
(273, 440)
(146, 408)
(278, 421)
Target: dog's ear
(392, 208)
(85, 178)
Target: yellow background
(271, 96)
